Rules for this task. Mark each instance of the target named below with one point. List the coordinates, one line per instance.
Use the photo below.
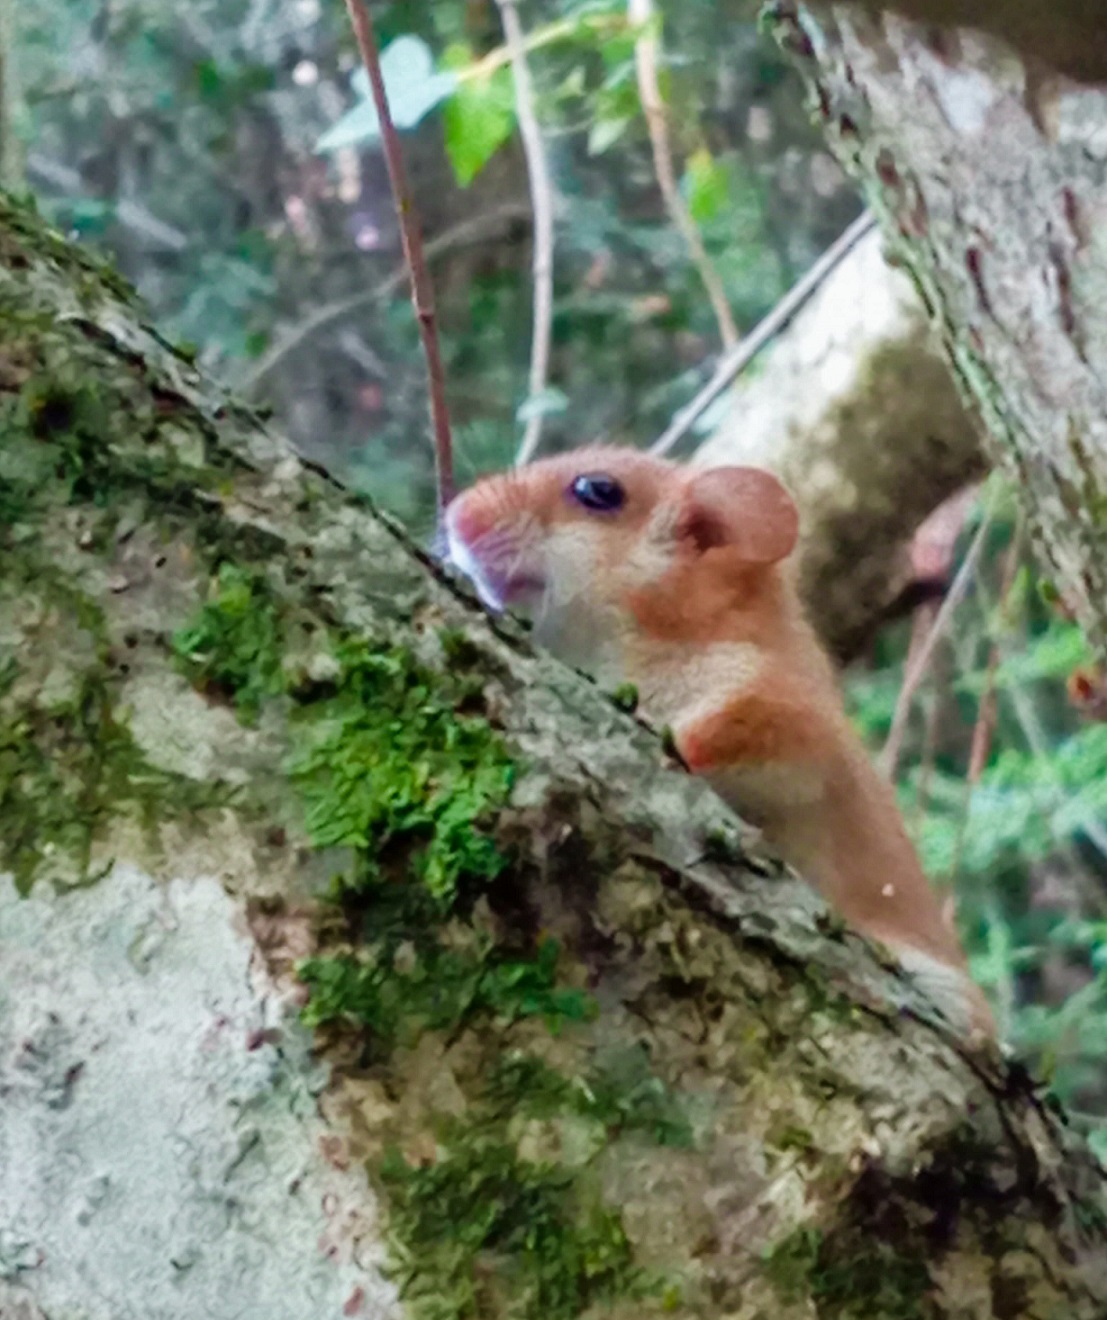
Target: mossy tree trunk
(988, 169)
(597, 1053)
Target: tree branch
(918, 663)
(541, 193)
(11, 165)
(140, 221)
(422, 292)
(646, 57)
(743, 353)
(468, 231)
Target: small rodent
(677, 580)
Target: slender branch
(11, 165)
(742, 354)
(130, 215)
(565, 28)
(541, 193)
(422, 294)
(925, 616)
(916, 668)
(984, 728)
(922, 624)
(468, 231)
(647, 49)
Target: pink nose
(467, 518)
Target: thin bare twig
(922, 623)
(541, 194)
(916, 668)
(742, 354)
(11, 163)
(597, 24)
(930, 736)
(647, 51)
(422, 294)
(141, 222)
(468, 231)
(984, 727)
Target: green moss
(71, 414)
(67, 769)
(484, 1225)
(234, 646)
(856, 1272)
(722, 847)
(23, 224)
(391, 767)
(438, 989)
(619, 1092)
(625, 697)
(791, 1264)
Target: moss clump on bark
(399, 758)
(397, 994)
(853, 1274)
(487, 1232)
(234, 646)
(69, 766)
(68, 763)
(23, 231)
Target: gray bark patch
(160, 1145)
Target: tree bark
(988, 175)
(855, 409)
(708, 1099)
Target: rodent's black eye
(597, 491)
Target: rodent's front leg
(768, 725)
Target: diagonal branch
(473, 230)
(919, 662)
(11, 166)
(422, 293)
(541, 192)
(742, 354)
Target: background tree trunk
(756, 1120)
(988, 174)
(855, 409)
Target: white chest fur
(681, 683)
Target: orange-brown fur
(686, 591)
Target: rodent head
(577, 538)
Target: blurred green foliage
(1021, 843)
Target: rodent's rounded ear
(742, 507)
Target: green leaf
(413, 89)
(604, 133)
(706, 187)
(550, 402)
(480, 117)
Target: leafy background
(224, 152)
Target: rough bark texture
(1066, 36)
(991, 180)
(855, 409)
(756, 1119)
